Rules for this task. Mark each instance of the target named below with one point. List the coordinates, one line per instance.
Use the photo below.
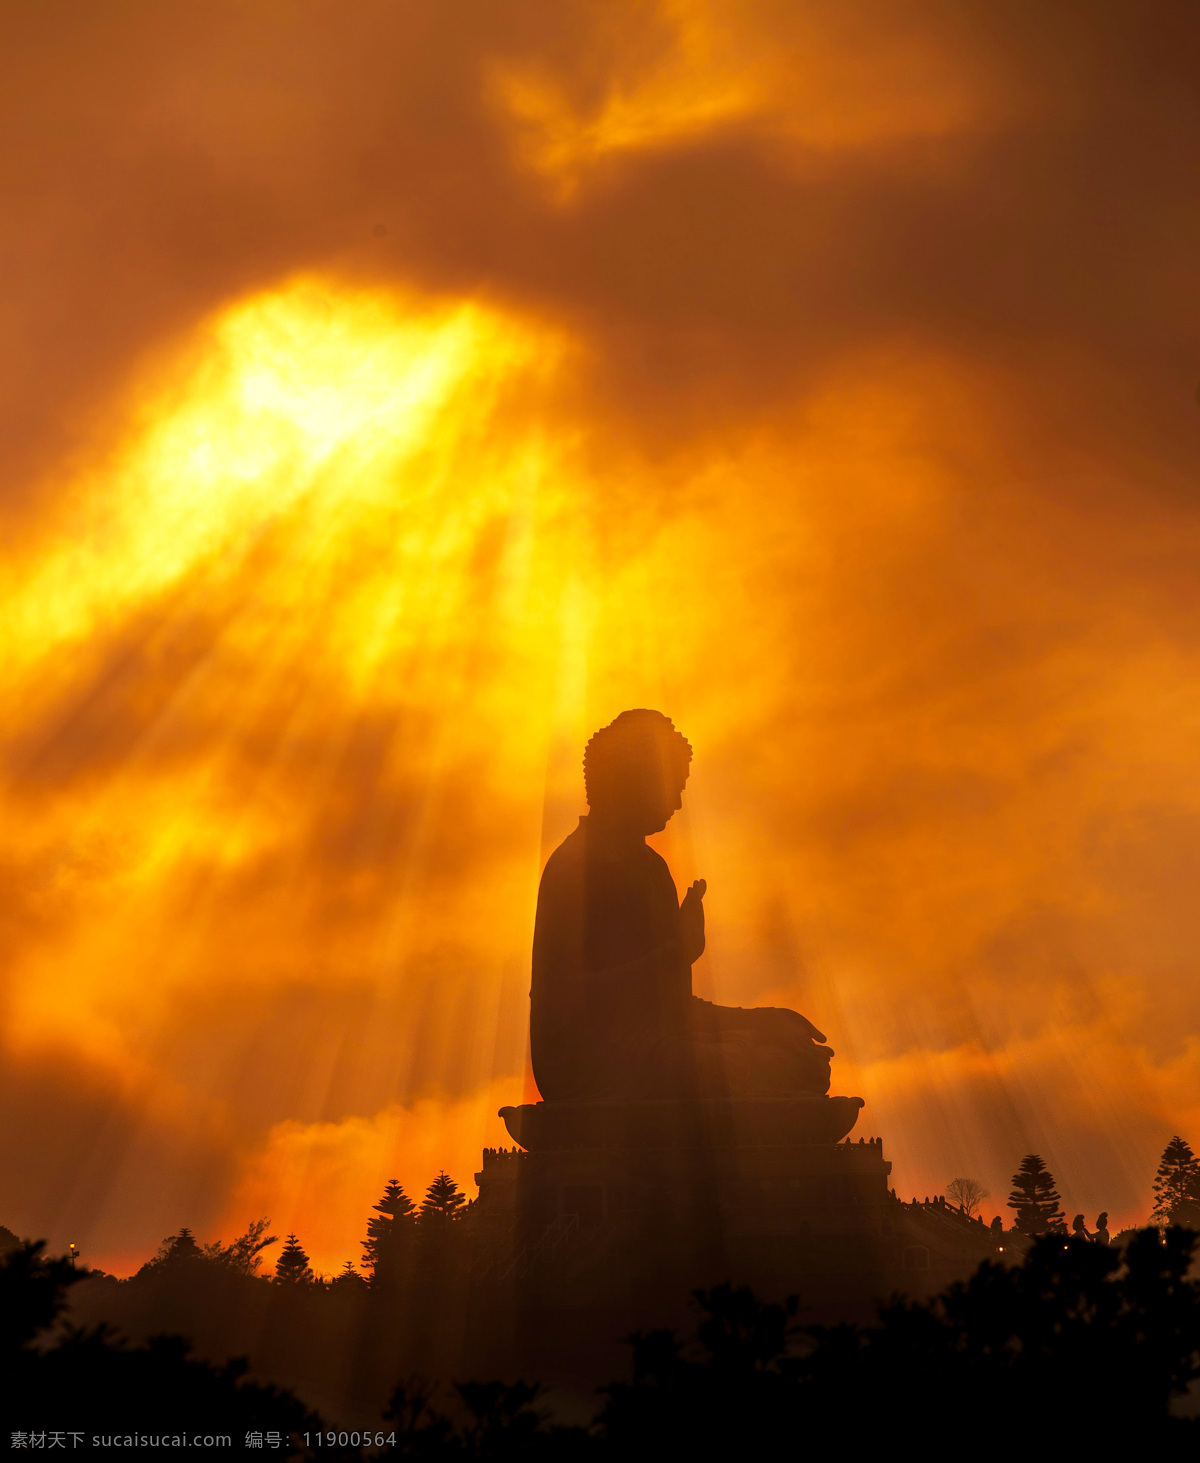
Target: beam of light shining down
(297, 676)
(308, 607)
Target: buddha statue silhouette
(613, 1019)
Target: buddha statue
(613, 1018)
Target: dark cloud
(161, 160)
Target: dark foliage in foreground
(491, 1420)
(1077, 1345)
(87, 1380)
(1080, 1346)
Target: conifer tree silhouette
(1177, 1186)
(176, 1249)
(293, 1268)
(388, 1234)
(348, 1277)
(1035, 1198)
(442, 1204)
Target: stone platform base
(616, 1213)
(700, 1123)
(608, 1220)
(735, 1191)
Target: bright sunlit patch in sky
(303, 396)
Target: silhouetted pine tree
(388, 1236)
(175, 1250)
(442, 1204)
(1177, 1186)
(292, 1267)
(348, 1278)
(1035, 1198)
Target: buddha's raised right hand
(691, 921)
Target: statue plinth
(698, 1122)
(611, 1217)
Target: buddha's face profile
(635, 770)
(642, 803)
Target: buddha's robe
(612, 1011)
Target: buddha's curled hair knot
(636, 743)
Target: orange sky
(392, 393)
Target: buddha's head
(634, 770)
